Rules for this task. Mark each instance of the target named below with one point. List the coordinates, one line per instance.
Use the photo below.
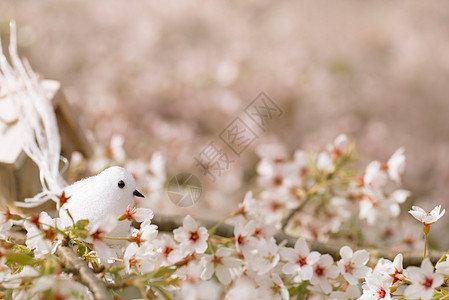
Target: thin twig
(293, 213)
(87, 276)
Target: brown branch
(168, 223)
(86, 274)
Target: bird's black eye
(121, 184)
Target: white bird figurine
(97, 197)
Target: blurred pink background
(169, 76)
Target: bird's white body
(95, 198)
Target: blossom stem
(117, 259)
(211, 248)
(141, 290)
(426, 232)
(425, 245)
(442, 257)
(293, 212)
(163, 293)
(215, 227)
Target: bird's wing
(81, 193)
(77, 186)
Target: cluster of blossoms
(316, 195)
(253, 261)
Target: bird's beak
(138, 194)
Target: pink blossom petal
(223, 274)
(143, 214)
(313, 257)
(302, 247)
(231, 262)
(290, 268)
(208, 271)
(360, 257)
(189, 223)
(288, 254)
(223, 251)
(306, 272)
(346, 253)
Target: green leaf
(81, 224)
(82, 249)
(299, 292)
(165, 271)
(21, 259)
(8, 295)
(22, 249)
(302, 290)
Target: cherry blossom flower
(115, 150)
(4, 227)
(13, 281)
(424, 281)
(7, 215)
(221, 264)
(278, 173)
(263, 229)
(323, 269)
(144, 235)
(375, 178)
(249, 207)
(352, 264)
(269, 173)
(374, 206)
(324, 162)
(299, 260)
(137, 214)
(42, 235)
(62, 199)
(166, 247)
(140, 259)
(190, 268)
(393, 269)
(243, 288)
(376, 286)
(396, 165)
(339, 146)
(264, 257)
(244, 235)
(271, 287)
(276, 203)
(16, 281)
(443, 266)
(427, 218)
(192, 237)
(97, 234)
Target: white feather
(42, 142)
